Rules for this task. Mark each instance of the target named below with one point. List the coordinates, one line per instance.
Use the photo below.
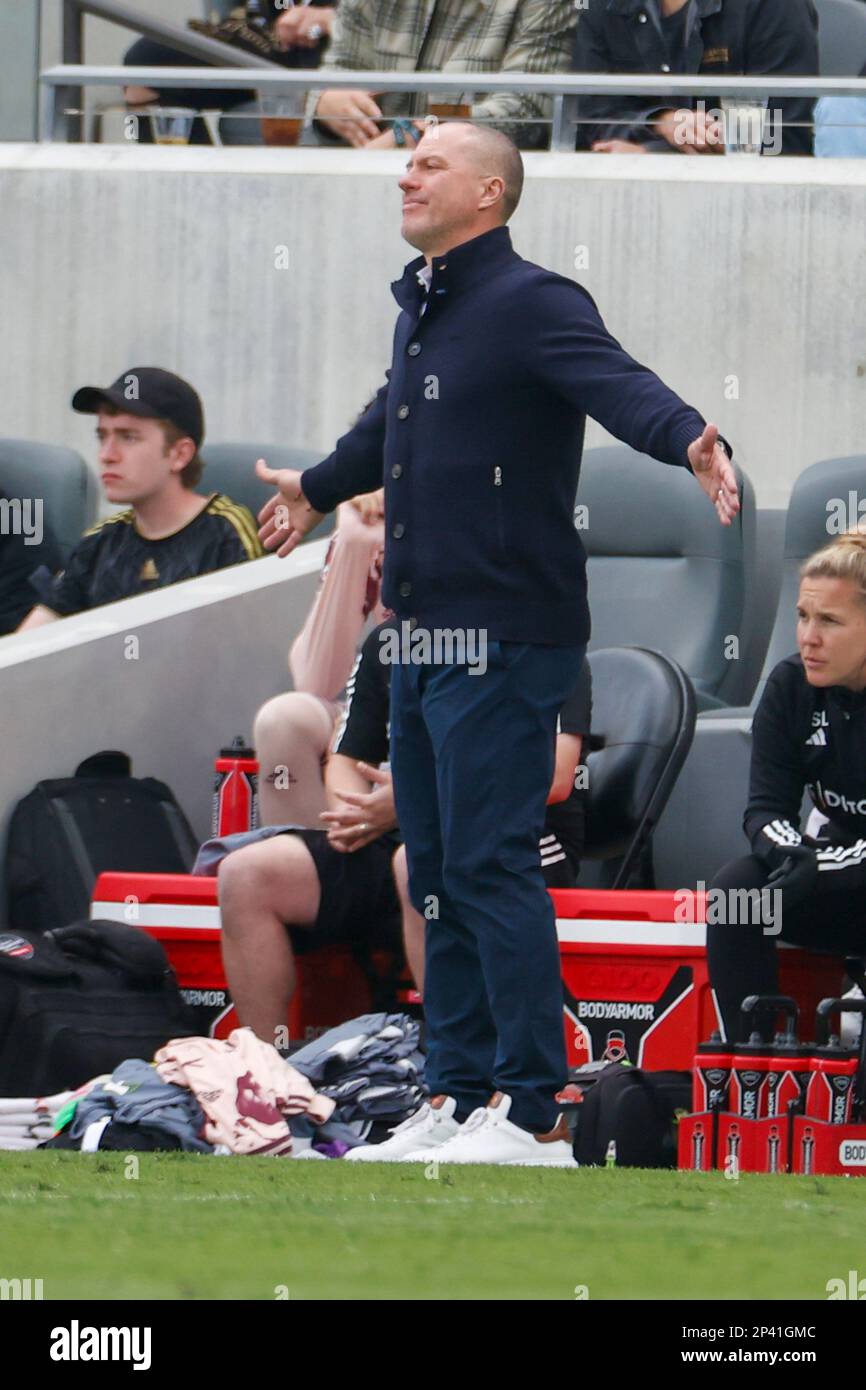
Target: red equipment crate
(695, 1136)
(636, 981)
(181, 911)
(828, 1149)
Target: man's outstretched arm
(575, 355)
(303, 499)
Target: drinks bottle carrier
(781, 1107)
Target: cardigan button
(642, 17)
(402, 412)
(397, 470)
(405, 589)
(397, 530)
(413, 349)
(666, 67)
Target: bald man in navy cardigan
(478, 434)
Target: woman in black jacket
(809, 733)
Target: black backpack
(637, 1111)
(80, 1000)
(67, 831)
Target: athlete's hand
(715, 473)
(364, 816)
(288, 516)
(796, 876)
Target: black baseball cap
(150, 392)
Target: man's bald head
(461, 180)
(494, 153)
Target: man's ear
(183, 452)
(495, 190)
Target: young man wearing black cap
(150, 426)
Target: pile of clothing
(27, 1122)
(238, 1095)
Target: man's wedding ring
(316, 31)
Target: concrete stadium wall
(739, 281)
(209, 652)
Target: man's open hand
(288, 516)
(715, 473)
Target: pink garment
(323, 654)
(244, 1088)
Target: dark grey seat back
(643, 708)
(841, 37)
(663, 572)
(60, 478)
(821, 494)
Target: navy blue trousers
(472, 758)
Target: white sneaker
(488, 1136)
(428, 1128)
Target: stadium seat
(819, 497)
(691, 843)
(662, 572)
(60, 477)
(842, 37)
(231, 468)
(643, 708)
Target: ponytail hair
(843, 558)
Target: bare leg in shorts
(261, 888)
(291, 735)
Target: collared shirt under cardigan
(479, 432)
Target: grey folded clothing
(370, 1066)
(137, 1095)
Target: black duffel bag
(79, 1000)
(68, 830)
(635, 1110)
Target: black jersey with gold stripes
(113, 561)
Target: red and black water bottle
(712, 1075)
(750, 1065)
(236, 790)
(834, 1068)
(789, 1075)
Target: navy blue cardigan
(478, 433)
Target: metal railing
(145, 26)
(564, 88)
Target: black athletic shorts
(359, 899)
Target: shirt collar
(453, 269)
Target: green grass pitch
(192, 1227)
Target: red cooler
(181, 911)
(634, 971)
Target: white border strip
(587, 931)
(158, 915)
(577, 931)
